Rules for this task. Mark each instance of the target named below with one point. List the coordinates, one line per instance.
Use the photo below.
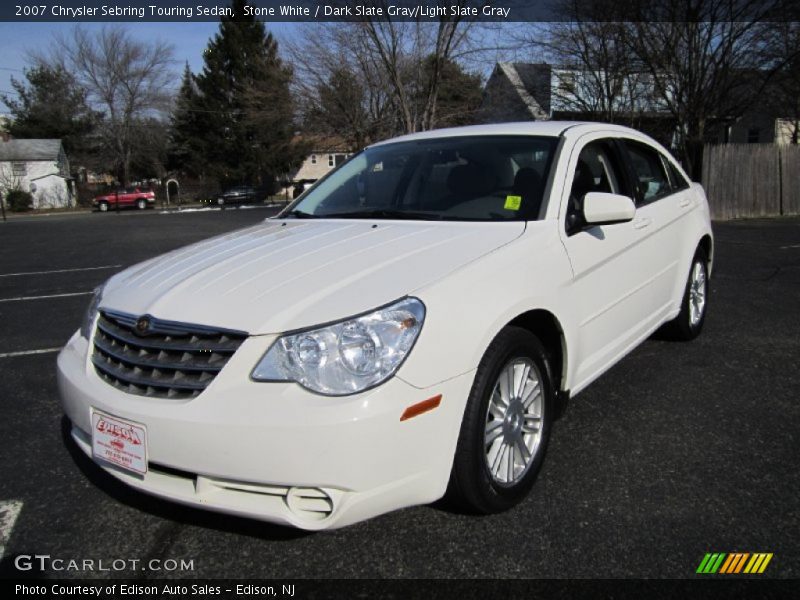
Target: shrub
(19, 201)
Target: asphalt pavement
(679, 450)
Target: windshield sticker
(513, 202)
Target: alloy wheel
(514, 421)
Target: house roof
(319, 144)
(30, 150)
(532, 84)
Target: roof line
(47, 175)
(530, 102)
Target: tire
(141, 204)
(481, 480)
(694, 305)
(102, 207)
(221, 201)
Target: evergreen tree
(185, 138)
(244, 109)
(341, 109)
(459, 95)
(51, 105)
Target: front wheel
(689, 322)
(141, 204)
(103, 207)
(506, 425)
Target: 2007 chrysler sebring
(408, 327)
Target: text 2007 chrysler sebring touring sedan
(408, 327)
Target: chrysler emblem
(143, 325)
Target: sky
(17, 40)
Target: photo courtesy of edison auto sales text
(161, 590)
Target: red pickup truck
(128, 197)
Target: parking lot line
(9, 511)
(28, 352)
(21, 298)
(59, 271)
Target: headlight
(91, 312)
(349, 356)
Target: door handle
(642, 223)
(684, 202)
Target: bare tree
(127, 79)
(709, 62)
(337, 89)
(784, 97)
(595, 74)
(9, 180)
(401, 50)
(385, 75)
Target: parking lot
(679, 450)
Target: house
(518, 91)
(787, 131)
(327, 153)
(529, 91)
(39, 167)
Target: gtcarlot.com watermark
(46, 562)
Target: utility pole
(3, 207)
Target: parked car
(238, 195)
(131, 197)
(411, 325)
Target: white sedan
(408, 328)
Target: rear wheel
(221, 201)
(103, 206)
(689, 322)
(506, 425)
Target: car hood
(285, 275)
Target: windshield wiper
(299, 214)
(386, 213)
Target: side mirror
(601, 208)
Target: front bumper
(275, 451)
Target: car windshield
(478, 178)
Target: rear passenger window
(648, 168)
(678, 180)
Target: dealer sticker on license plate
(119, 442)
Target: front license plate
(119, 442)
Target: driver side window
(597, 170)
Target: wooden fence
(752, 180)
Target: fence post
(780, 180)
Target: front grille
(167, 360)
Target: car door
(611, 268)
(661, 202)
(126, 197)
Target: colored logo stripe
(711, 563)
(734, 563)
(758, 563)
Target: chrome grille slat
(100, 343)
(225, 344)
(170, 360)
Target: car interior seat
(529, 186)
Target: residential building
(39, 167)
(527, 91)
(326, 154)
